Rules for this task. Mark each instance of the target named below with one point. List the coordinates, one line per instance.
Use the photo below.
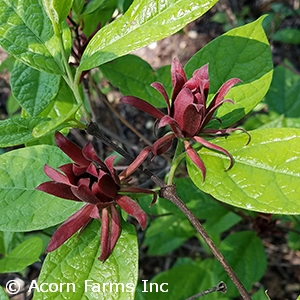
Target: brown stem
(169, 192)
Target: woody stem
(169, 192)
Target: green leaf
(3, 295)
(22, 256)
(22, 207)
(91, 6)
(26, 32)
(181, 287)
(62, 7)
(284, 94)
(265, 176)
(33, 89)
(57, 11)
(78, 6)
(17, 131)
(133, 76)
(246, 255)
(76, 263)
(287, 35)
(176, 231)
(61, 110)
(243, 52)
(144, 22)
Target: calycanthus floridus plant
(57, 63)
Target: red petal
(104, 242)
(209, 145)
(115, 228)
(68, 170)
(167, 120)
(69, 227)
(109, 162)
(182, 101)
(137, 190)
(192, 117)
(57, 189)
(224, 89)
(133, 209)
(107, 186)
(178, 77)
(55, 175)
(136, 163)
(200, 80)
(160, 88)
(195, 158)
(84, 194)
(163, 144)
(90, 154)
(143, 106)
(226, 131)
(72, 150)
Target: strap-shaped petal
(143, 106)
(55, 175)
(167, 120)
(135, 164)
(85, 194)
(223, 90)
(69, 227)
(133, 209)
(90, 154)
(160, 88)
(226, 131)
(57, 189)
(211, 146)
(109, 162)
(163, 144)
(104, 241)
(178, 77)
(115, 229)
(195, 158)
(71, 149)
(137, 190)
(210, 111)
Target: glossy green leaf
(22, 256)
(57, 11)
(265, 176)
(243, 52)
(76, 263)
(133, 76)
(287, 35)
(22, 208)
(284, 94)
(26, 32)
(144, 22)
(246, 255)
(62, 7)
(17, 131)
(33, 89)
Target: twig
(220, 287)
(169, 192)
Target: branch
(169, 192)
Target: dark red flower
(96, 183)
(188, 114)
